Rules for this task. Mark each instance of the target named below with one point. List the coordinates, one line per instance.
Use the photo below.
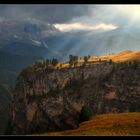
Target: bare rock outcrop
(51, 100)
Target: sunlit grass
(107, 124)
(120, 57)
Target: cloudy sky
(89, 18)
(76, 17)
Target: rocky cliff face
(51, 100)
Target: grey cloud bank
(49, 13)
(117, 21)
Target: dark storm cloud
(50, 13)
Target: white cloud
(81, 26)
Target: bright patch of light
(86, 27)
(130, 10)
(36, 42)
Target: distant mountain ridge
(80, 43)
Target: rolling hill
(122, 124)
(124, 56)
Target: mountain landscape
(51, 99)
(67, 68)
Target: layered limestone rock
(51, 100)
